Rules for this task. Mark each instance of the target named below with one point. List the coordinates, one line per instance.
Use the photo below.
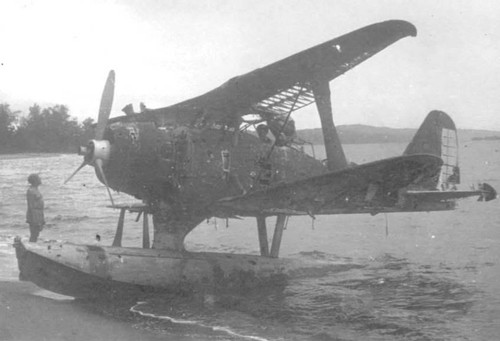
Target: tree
(50, 130)
(88, 130)
(7, 126)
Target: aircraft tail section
(438, 136)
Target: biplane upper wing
(361, 188)
(287, 84)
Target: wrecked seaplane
(201, 158)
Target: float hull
(94, 271)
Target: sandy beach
(24, 315)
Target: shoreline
(25, 315)
(22, 155)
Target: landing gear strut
(281, 221)
(141, 209)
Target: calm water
(435, 276)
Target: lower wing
(373, 187)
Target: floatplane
(233, 152)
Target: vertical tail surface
(438, 136)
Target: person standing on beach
(34, 214)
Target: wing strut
(334, 153)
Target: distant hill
(359, 133)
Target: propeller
(106, 104)
(98, 165)
(97, 151)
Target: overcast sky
(59, 52)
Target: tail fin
(438, 136)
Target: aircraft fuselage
(180, 170)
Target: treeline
(46, 130)
(487, 138)
(358, 133)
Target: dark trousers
(34, 232)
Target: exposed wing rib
(272, 88)
(286, 100)
(355, 189)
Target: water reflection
(387, 298)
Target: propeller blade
(106, 104)
(98, 164)
(84, 163)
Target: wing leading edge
(274, 88)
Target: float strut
(119, 229)
(145, 232)
(261, 225)
(278, 233)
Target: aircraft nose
(97, 151)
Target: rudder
(438, 136)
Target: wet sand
(26, 316)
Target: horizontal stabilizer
(485, 192)
(488, 192)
